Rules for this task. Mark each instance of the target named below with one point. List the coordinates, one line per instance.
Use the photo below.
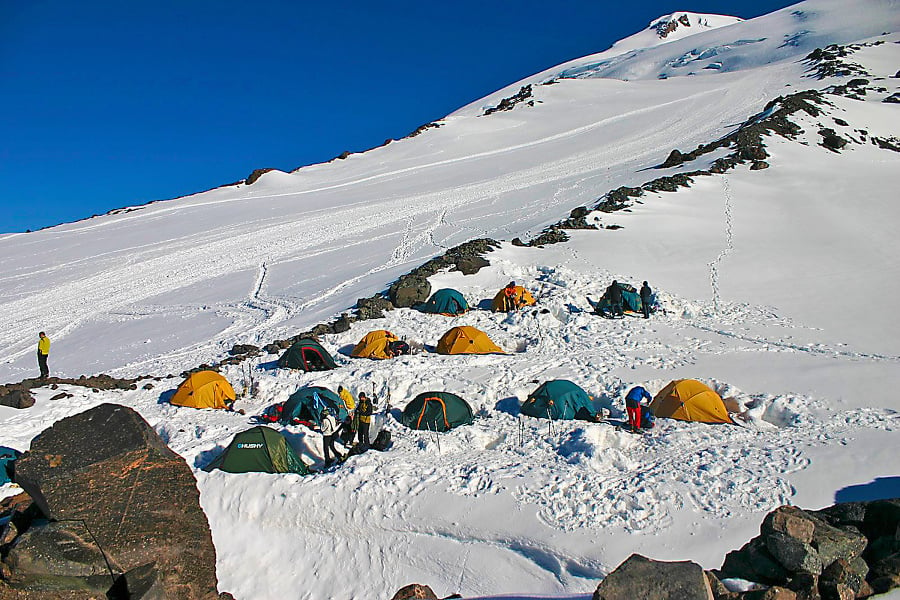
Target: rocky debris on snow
(16, 398)
(747, 140)
(255, 175)
(522, 95)
(577, 219)
(759, 165)
(890, 143)
(372, 308)
(666, 26)
(96, 382)
(831, 140)
(828, 62)
(113, 483)
(423, 128)
(244, 349)
(641, 577)
(893, 98)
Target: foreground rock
(640, 577)
(846, 551)
(113, 483)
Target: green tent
(445, 302)
(436, 411)
(308, 355)
(558, 400)
(259, 450)
(306, 404)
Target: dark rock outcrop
(522, 95)
(372, 308)
(415, 591)
(244, 349)
(640, 577)
(107, 469)
(255, 175)
(409, 290)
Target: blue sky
(106, 104)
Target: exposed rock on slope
(121, 494)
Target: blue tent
(558, 400)
(7, 456)
(306, 404)
(445, 302)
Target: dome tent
(375, 344)
(446, 302)
(436, 411)
(558, 399)
(521, 297)
(204, 389)
(466, 340)
(259, 450)
(306, 404)
(689, 400)
(307, 354)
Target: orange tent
(520, 297)
(689, 400)
(466, 340)
(374, 345)
(204, 389)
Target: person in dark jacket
(614, 293)
(633, 405)
(364, 410)
(646, 297)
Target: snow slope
(767, 277)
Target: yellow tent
(204, 389)
(466, 340)
(374, 344)
(689, 400)
(521, 297)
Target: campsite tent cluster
(267, 450)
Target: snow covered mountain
(772, 280)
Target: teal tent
(306, 404)
(7, 456)
(445, 302)
(631, 300)
(308, 355)
(259, 450)
(436, 411)
(558, 400)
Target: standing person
(364, 410)
(510, 303)
(330, 430)
(646, 297)
(350, 422)
(43, 351)
(633, 405)
(614, 293)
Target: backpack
(382, 440)
(399, 347)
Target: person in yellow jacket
(43, 352)
(351, 422)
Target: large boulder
(62, 553)
(640, 577)
(17, 398)
(108, 469)
(409, 290)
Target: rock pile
(115, 512)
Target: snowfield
(775, 285)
